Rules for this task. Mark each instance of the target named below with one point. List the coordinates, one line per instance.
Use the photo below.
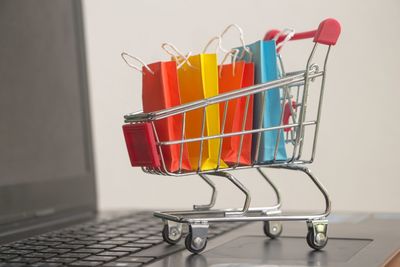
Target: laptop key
(40, 255)
(122, 264)
(46, 243)
(138, 245)
(69, 246)
(7, 256)
(107, 235)
(118, 232)
(86, 263)
(100, 258)
(75, 255)
(147, 241)
(82, 242)
(30, 247)
(113, 242)
(103, 246)
(56, 250)
(125, 249)
(46, 264)
(95, 238)
(113, 253)
(61, 260)
(26, 260)
(148, 232)
(124, 239)
(155, 237)
(88, 250)
(14, 264)
(136, 235)
(16, 251)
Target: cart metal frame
(294, 85)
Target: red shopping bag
(160, 90)
(232, 77)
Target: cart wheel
(273, 229)
(171, 235)
(316, 242)
(195, 245)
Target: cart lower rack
(295, 88)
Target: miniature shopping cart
(299, 123)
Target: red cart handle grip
(327, 33)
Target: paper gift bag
(160, 90)
(198, 79)
(263, 55)
(232, 77)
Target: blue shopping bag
(263, 55)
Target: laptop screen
(45, 154)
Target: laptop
(48, 212)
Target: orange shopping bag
(197, 82)
(239, 114)
(198, 79)
(160, 90)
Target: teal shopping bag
(263, 55)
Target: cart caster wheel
(196, 239)
(172, 234)
(195, 245)
(316, 236)
(318, 243)
(272, 229)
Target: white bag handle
(241, 36)
(215, 38)
(125, 57)
(233, 53)
(177, 54)
(289, 34)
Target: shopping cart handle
(327, 33)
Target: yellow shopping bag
(198, 79)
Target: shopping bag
(263, 55)
(198, 79)
(232, 77)
(160, 90)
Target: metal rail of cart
(295, 89)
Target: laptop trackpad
(259, 250)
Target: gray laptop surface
(48, 211)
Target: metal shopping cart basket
(295, 90)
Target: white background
(359, 145)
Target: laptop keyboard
(126, 241)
